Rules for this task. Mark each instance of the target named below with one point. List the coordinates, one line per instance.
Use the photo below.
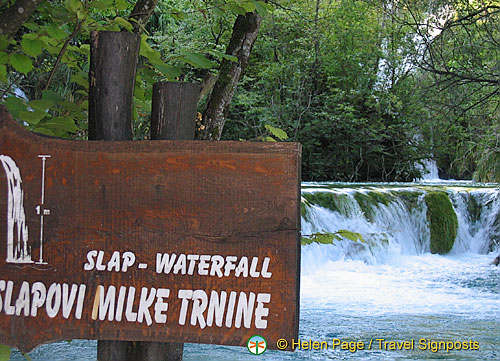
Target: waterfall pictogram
(18, 249)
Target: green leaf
(197, 60)
(101, 4)
(81, 80)
(32, 47)
(73, 6)
(171, 72)
(124, 23)
(32, 118)
(121, 4)
(5, 353)
(220, 54)
(278, 133)
(30, 25)
(237, 9)
(21, 63)
(4, 43)
(60, 125)
(353, 236)
(51, 96)
(3, 73)
(178, 15)
(15, 105)
(41, 105)
(4, 58)
(249, 6)
(261, 7)
(56, 32)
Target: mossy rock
(442, 220)
(369, 202)
(474, 208)
(326, 200)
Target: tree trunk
(245, 31)
(12, 18)
(143, 10)
(112, 77)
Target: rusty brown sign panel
(175, 241)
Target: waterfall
(17, 229)
(393, 219)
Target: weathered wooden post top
(171, 241)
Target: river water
(388, 289)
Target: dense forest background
(371, 88)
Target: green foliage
(488, 167)
(317, 80)
(442, 220)
(330, 237)
(4, 353)
(49, 59)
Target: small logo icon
(257, 345)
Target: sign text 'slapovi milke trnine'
(175, 241)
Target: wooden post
(173, 117)
(113, 62)
(174, 110)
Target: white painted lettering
(261, 311)
(68, 299)
(130, 315)
(23, 300)
(244, 310)
(128, 260)
(185, 296)
(253, 267)
(216, 308)
(230, 265)
(217, 263)
(114, 262)
(90, 264)
(145, 302)
(120, 303)
(53, 301)
(230, 309)
(192, 258)
(180, 265)
(164, 262)
(161, 306)
(8, 308)
(2, 288)
(242, 267)
(265, 265)
(39, 292)
(79, 301)
(200, 301)
(99, 266)
(203, 265)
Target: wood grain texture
(113, 60)
(236, 199)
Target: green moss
(322, 199)
(474, 209)
(410, 197)
(368, 202)
(442, 220)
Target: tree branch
(13, 17)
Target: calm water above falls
(390, 287)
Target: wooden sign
(174, 241)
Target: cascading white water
(393, 219)
(393, 272)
